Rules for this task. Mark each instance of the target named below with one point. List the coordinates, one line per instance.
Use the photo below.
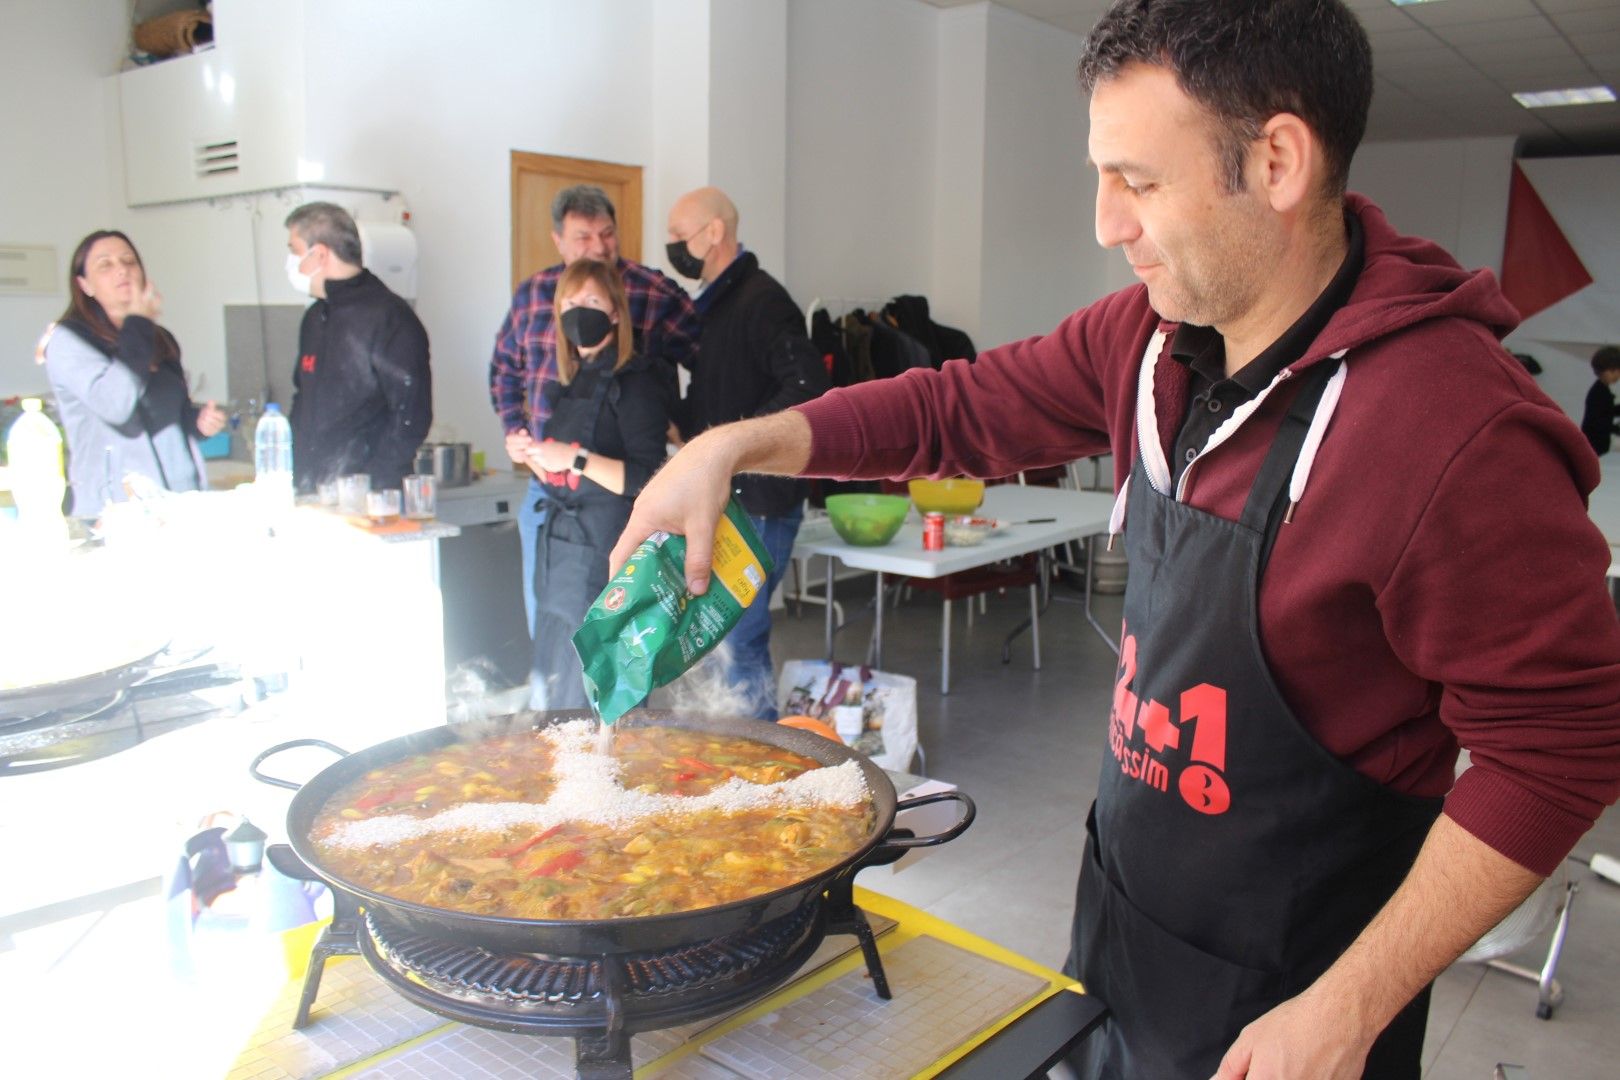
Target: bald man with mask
(757, 360)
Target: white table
(1075, 515)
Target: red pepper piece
(371, 802)
(696, 764)
(683, 777)
(566, 861)
(538, 838)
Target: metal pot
(569, 937)
(449, 463)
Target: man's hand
(1304, 1038)
(688, 495)
(1457, 890)
(517, 446)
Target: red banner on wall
(1539, 268)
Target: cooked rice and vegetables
(540, 825)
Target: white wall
(748, 123)
(680, 114)
(55, 184)
(960, 167)
(1453, 191)
(1040, 255)
(940, 152)
(861, 157)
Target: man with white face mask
(362, 391)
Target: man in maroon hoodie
(1330, 474)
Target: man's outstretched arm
(688, 495)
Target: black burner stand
(603, 1056)
(339, 938)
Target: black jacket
(754, 359)
(1598, 421)
(362, 392)
(910, 314)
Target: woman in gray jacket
(119, 386)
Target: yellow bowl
(956, 496)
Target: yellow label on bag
(734, 564)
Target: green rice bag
(647, 628)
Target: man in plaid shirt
(584, 225)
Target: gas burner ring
(531, 983)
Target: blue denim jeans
(750, 640)
(529, 521)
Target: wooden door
(536, 179)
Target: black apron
(571, 555)
(1229, 858)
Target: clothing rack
(845, 304)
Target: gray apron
(571, 554)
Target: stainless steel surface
(449, 463)
(480, 576)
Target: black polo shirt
(1213, 396)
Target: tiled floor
(1027, 746)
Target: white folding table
(1075, 515)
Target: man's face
(695, 226)
(587, 238)
(1201, 252)
(313, 261)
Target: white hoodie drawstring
(1313, 438)
(1116, 516)
(1302, 464)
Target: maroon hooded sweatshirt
(1440, 582)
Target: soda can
(934, 532)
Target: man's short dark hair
(586, 200)
(329, 224)
(1606, 359)
(1246, 61)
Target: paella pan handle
(901, 842)
(253, 767)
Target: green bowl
(867, 520)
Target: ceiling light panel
(1553, 99)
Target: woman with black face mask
(605, 437)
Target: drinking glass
(382, 505)
(421, 496)
(327, 491)
(352, 491)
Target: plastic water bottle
(34, 453)
(273, 458)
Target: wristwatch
(580, 458)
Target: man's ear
(1289, 161)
